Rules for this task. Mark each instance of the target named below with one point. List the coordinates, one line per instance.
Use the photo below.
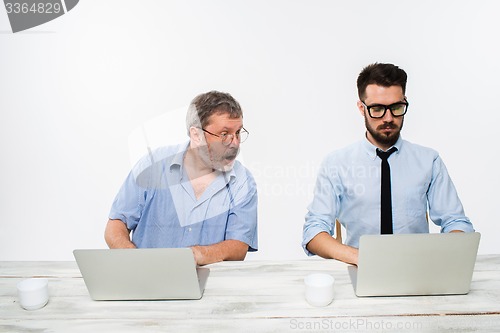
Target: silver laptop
(415, 264)
(141, 274)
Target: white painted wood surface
(250, 296)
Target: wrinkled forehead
(223, 119)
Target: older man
(194, 194)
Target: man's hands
(324, 245)
(226, 250)
(117, 236)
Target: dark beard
(386, 140)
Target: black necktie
(385, 192)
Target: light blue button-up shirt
(157, 202)
(348, 189)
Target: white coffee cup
(319, 289)
(33, 293)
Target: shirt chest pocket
(415, 199)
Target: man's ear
(195, 135)
(361, 108)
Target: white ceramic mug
(319, 289)
(33, 293)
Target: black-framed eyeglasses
(227, 138)
(378, 110)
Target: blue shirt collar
(371, 150)
(178, 158)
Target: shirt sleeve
(324, 207)
(129, 203)
(242, 219)
(445, 207)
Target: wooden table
(250, 296)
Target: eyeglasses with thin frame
(226, 138)
(378, 110)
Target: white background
(74, 92)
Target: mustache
(387, 125)
(231, 154)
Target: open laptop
(415, 264)
(141, 274)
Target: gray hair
(213, 102)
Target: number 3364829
(36, 8)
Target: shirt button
(189, 229)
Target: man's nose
(388, 117)
(235, 141)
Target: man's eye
(397, 106)
(377, 109)
(223, 135)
